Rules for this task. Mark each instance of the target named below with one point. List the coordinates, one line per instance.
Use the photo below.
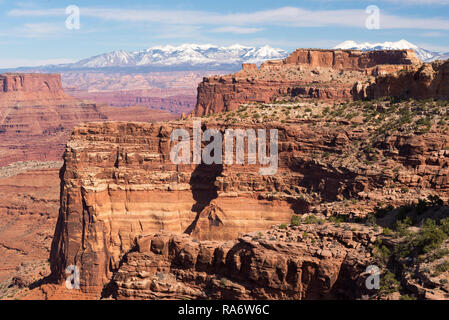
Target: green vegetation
(441, 268)
(223, 281)
(381, 253)
(296, 220)
(311, 219)
(388, 284)
(429, 238)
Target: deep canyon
(362, 138)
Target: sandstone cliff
(299, 262)
(429, 81)
(28, 89)
(306, 73)
(118, 182)
(36, 116)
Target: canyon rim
(230, 179)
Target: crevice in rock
(203, 187)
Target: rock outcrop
(306, 73)
(302, 262)
(118, 183)
(429, 81)
(32, 89)
(36, 117)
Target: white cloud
(39, 29)
(237, 30)
(34, 30)
(285, 16)
(36, 12)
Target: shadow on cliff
(203, 187)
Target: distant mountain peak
(188, 54)
(423, 54)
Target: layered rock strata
(29, 89)
(303, 262)
(306, 73)
(36, 117)
(429, 81)
(118, 183)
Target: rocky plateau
(362, 180)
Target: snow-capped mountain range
(184, 55)
(208, 56)
(423, 54)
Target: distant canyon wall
(37, 116)
(306, 73)
(176, 103)
(17, 88)
(351, 59)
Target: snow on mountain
(423, 54)
(113, 59)
(184, 55)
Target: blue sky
(34, 32)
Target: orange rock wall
(428, 81)
(306, 73)
(351, 59)
(118, 184)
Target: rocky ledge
(118, 182)
(295, 262)
(307, 73)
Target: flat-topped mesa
(429, 81)
(31, 88)
(351, 59)
(37, 116)
(306, 73)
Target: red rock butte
(306, 73)
(37, 116)
(31, 88)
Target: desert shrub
(370, 220)
(435, 200)
(428, 239)
(444, 225)
(389, 284)
(296, 220)
(440, 253)
(312, 219)
(382, 212)
(401, 226)
(381, 253)
(442, 267)
(422, 206)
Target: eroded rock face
(36, 117)
(31, 88)
(303, 262)
(351, 59)
(118, 184)
(306, 73)
(428, 81)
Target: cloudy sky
(35, 32)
